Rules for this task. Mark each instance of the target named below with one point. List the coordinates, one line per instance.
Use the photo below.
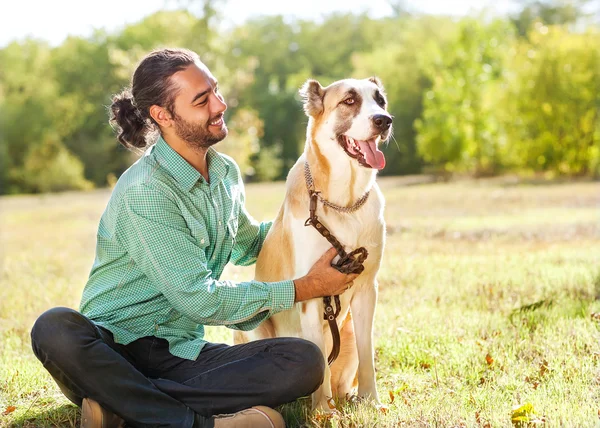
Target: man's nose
(381, 121)
(219, 104)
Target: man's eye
(349, 101)
(201, 103)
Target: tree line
(478, 95)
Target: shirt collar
(185, 174)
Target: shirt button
(220, 223)
(202, 241)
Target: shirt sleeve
(152, 230)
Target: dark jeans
(148, 387)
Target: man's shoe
(254, 417)
(94, 416)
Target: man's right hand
(322, 279)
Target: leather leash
(347, 263)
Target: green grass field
(488, 296)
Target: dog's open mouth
(366, 152)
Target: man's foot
(94, 416)
(255, 417)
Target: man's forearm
(305, 289)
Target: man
(136, 351)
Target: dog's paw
(327, 416)
(327, 405)
(368, 400)
(382, 408)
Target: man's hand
(322, 279)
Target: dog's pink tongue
(373, 156)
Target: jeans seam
(221, 366)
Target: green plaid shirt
(163, 242)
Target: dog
(347, 121)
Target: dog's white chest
(353, 230)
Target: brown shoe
(255, 417)
(94, 416)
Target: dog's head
(349, 118)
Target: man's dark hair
(151, 85)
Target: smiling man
(135, 353)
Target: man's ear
(312, 94)
(161, 116)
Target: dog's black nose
(382, 121)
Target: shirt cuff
(283, 294)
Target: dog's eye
(349, 101)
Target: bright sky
(54, 20)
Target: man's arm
(153, 231)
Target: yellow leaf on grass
(523, 413)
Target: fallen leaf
(595, 316)
(477, 418)
(392, 396)
(544, 368)
(524, 413)
(9, 409)
(425, 365)
(383, 409)
(489, 360)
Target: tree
(401, 65)
(35, 122)
(549, 12)
(460, 130)
(554, 97)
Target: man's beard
(197, 135)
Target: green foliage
(554, 97)
(50, 167)
(460, 129)
(468, 95)
(267, 163)
(401, 66)
(550, 12)
(245, 131)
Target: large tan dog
(347, 121)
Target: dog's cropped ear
(312, 94)
(376, 80)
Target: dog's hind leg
(363, 310)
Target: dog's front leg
(363, 310)
(312, 329)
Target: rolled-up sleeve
(152, 230)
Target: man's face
(199, 107)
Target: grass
(488, 292)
